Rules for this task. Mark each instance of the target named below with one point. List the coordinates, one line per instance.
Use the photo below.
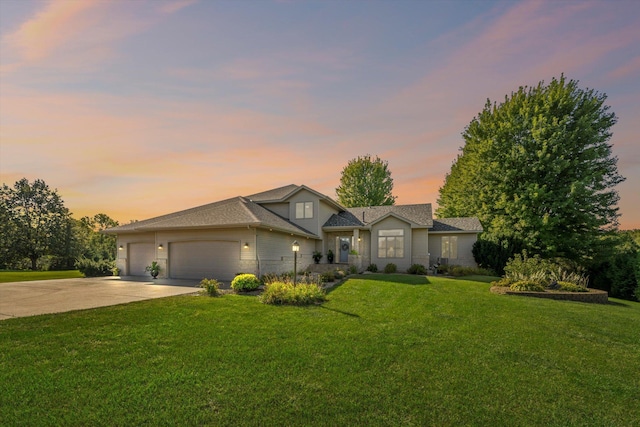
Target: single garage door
(140, 256)
(211, 259)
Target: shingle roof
(457, 224)
(234, 212)
(274, 195)
(419, 215)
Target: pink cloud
(174, 6)
(52, 28)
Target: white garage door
(140, 256)
(210, 259)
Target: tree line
(37, 232)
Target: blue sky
(139, 108)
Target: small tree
(38, 222)
(366, 182)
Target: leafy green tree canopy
(538, 169)
(366, 181)
(37, 222)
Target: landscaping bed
(592, 295)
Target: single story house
(254, 234)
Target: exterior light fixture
(295, 247)
(246, 245)
(160, 246)
(120, 248)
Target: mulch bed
(592, 295)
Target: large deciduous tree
(366, 181)
(37, 222)
(538, 169)
(96, 245)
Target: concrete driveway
(20, 299)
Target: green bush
(372, 268)
(91, 268)
(328, 276)
(571, 287)
(390, 268)
(544, 271)
(353, 269)
(524, 285)
(245, 283)
(210, 287)
(417, 269)
(281, 293)
(493, 252)
(503, 282)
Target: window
(304, 210)
(391, 243)
(450, 247)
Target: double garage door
(199, 259)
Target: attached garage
(140, 256)
(199, 259)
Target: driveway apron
(20, 299)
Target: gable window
(450, 247)
(304, 210)
(391, 243)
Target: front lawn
(23, 276)
(383, 350)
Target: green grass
(383, 350)
(23, 276)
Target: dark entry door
(345, 247)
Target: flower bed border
(592, 296)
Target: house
(254, 234)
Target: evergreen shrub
(417, 269)
(91, 268)
(390, 268)
(245, 283)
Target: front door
(345, 247)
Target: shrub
(495, 252)
(245, 283)
(524, 285)
(417, 269)
(328, 276)
(372, 268)
(502, 282)
(571, 287)
(523, 267)
(353, 269)
(281, 293)
(443, 269)
(390, 268)
(544, 271)
(210, 287)
(91, 268)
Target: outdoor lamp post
(295, 247)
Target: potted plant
(330, 256)
(154, 269)
(317, 256)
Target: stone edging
(593, 295)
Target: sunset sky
(140, 108)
